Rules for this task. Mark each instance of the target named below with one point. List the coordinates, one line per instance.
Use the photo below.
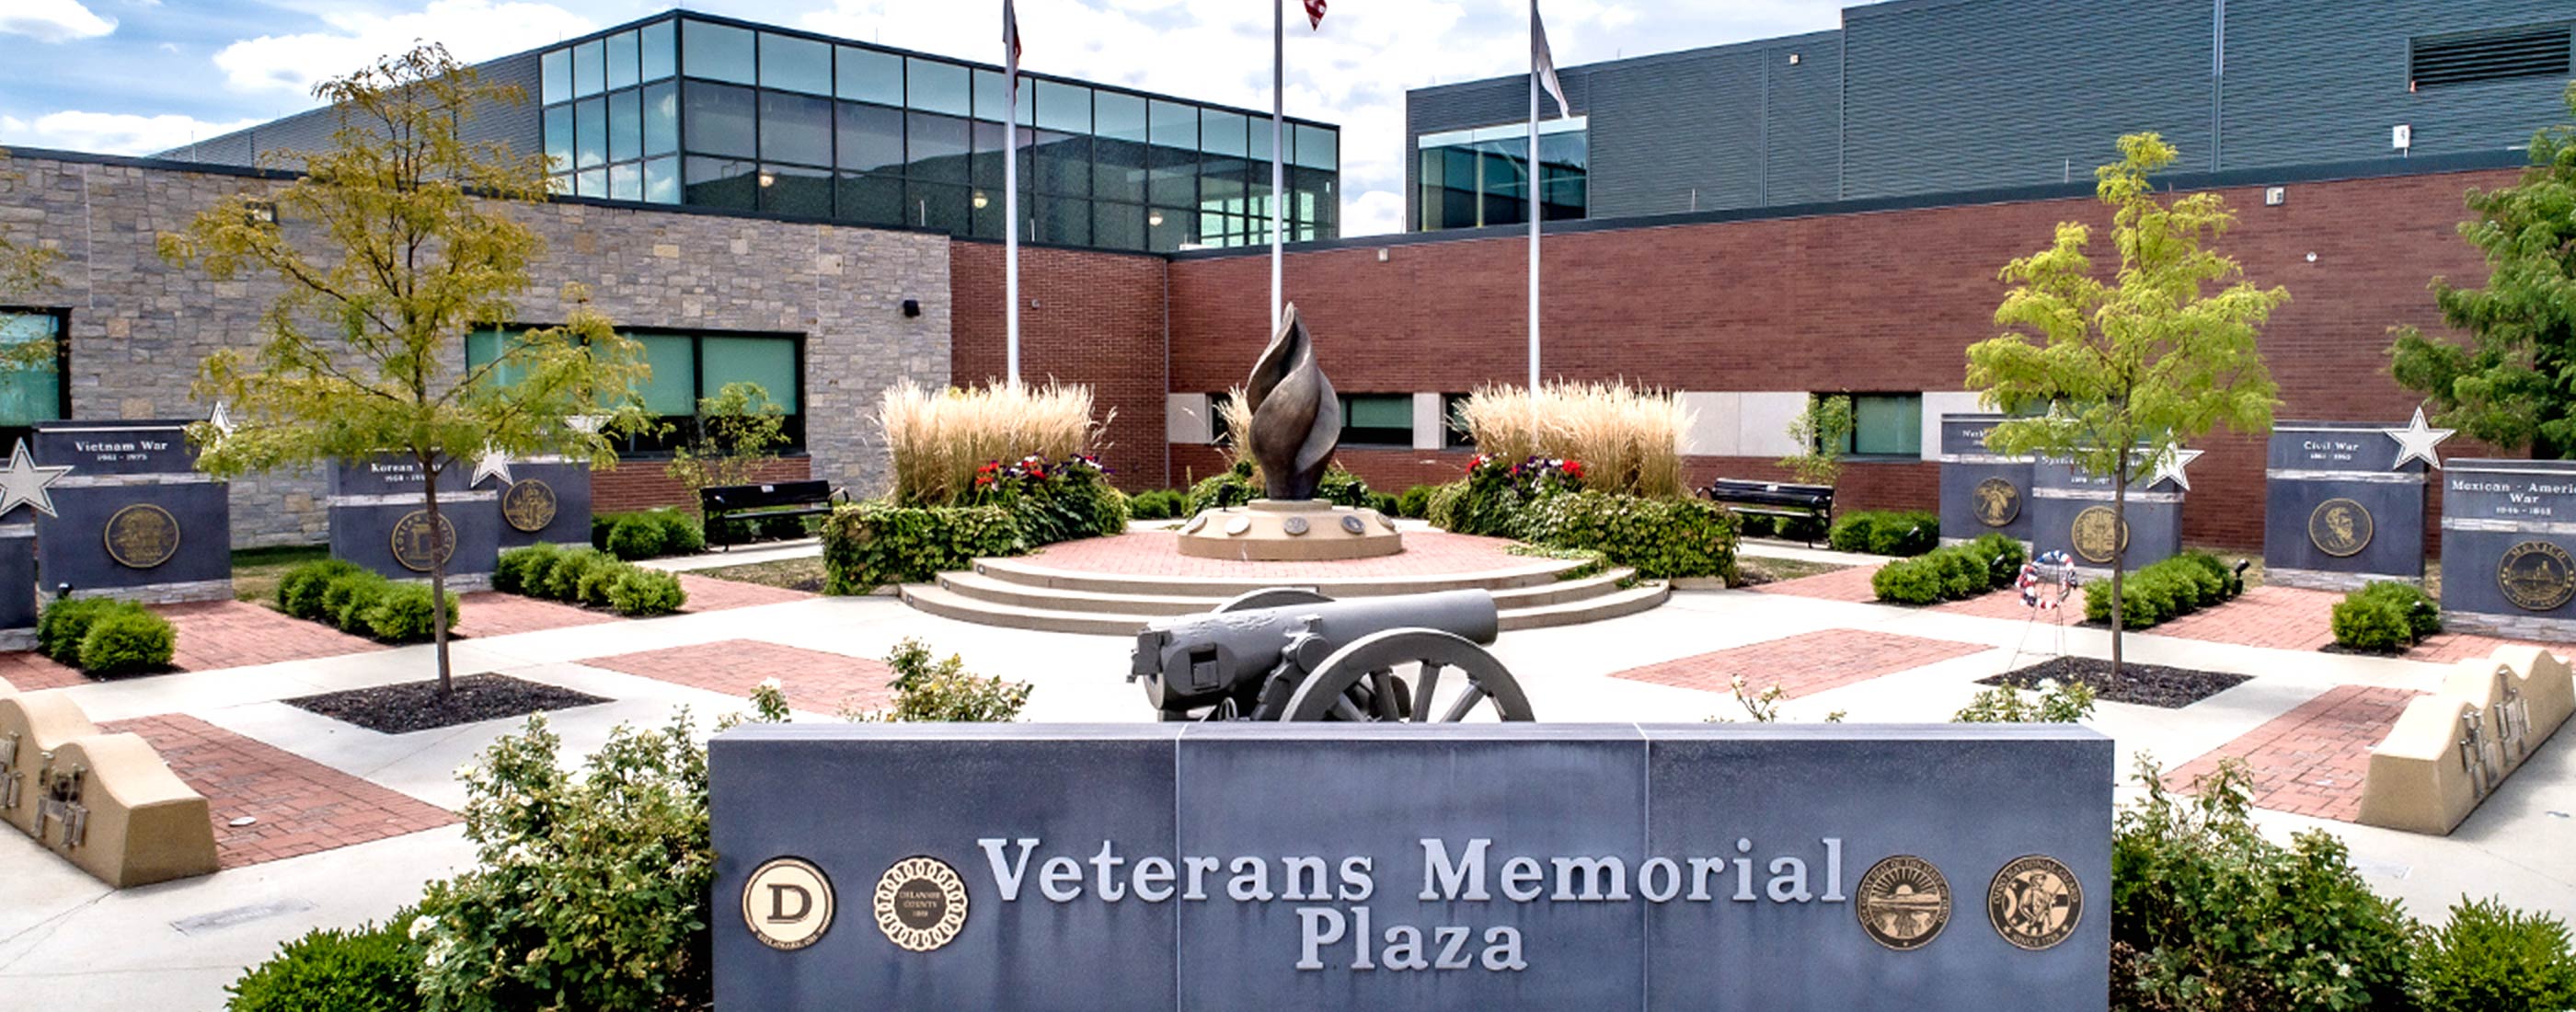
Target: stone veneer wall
(138, 326)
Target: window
(1220, 424)
(795, 64)
(1886, 425)
(32, 356)
(717, 52)
(1479, 178)
(869, 76)
(2530, 51)
(1454, 434)
(686, 368)
(1377, 420)
(599, 126)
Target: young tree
(1819, 432)
(399, 239)
(2514, 383)
(739, 430)
(2130, 368)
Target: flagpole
(1533, 207)
(1278, 169)
(1011, 213)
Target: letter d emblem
(787, 903)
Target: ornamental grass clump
(940, 437)
(1630, 440)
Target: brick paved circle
(1157, 553)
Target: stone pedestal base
(2320, 579)
(1297, 531)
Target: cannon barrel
(1189, 660)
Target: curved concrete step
(984, 587)
(1032, 571)
(949, 603)
(1642, 597)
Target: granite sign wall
(2072, 513)
(2509, 547)
(541, 499)
(379, 521)
(1981, 491)
(133, 517)
(2344, 505)
(1336, 866)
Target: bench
(1776, 498)
(751, 504)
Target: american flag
(1011, 45)
(1315, 14)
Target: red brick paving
(28, 671)
(815, 681)
(2445, 648)
(2285, 618)
(2310, 760)
(1840, 585)
(1804, 664)
(492, 613)
(1157, 553)
(233, 634)
(2006, 604)
(708, 593)
(302, 806)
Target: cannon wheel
(1270, 597)
(1367, 664)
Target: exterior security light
(767, 180)
(1155, 219)
(981, 200)
(911, 307)
(1793, 59)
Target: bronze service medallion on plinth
(2340, 527)
(413, 546)
(529, 505)
(142, 536)
(2536, 576)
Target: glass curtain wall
(32, 387)
(721, 115)
(1477, 178)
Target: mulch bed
(418, 706)
(2143, 684)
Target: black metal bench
(1777, 498)
(724, 506)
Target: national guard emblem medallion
(2035, 902)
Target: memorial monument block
(133, 517)
(2072, 513)
(379, 521)
(1981, 491)
(2343, 506)
(542, 500)
(2508, 528)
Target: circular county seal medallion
(413, 545)
(2340, 528)
(142, 536)
(787, 903)
(2098, 534)
(1903, 902)
(921, 903)
(1998, 502)
(529, 505)
(2035, 902)
(2536, 576)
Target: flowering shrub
(2054, 702)
(1493, 498)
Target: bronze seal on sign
(2340, 527)
(529, 505)
(2098, 534)
(2536, 576)
(921, 904)
(413, 545)
(1903, 902)
(787, 903)
(142, 536)
(2035, 902)
(1997, 502)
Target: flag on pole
(1542, 63)
(1011, 48)
(1315, 14)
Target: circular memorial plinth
(1268, 530)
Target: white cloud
(53, 20)
(471, 29)
(111, 133)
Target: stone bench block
(2454, 747)
(32, 726)
(112, 807)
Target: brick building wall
(1865, 302)
(641, 485)
(1086, 317)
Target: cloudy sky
(137, 76)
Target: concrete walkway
(172, 947)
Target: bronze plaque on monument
(142, 536)
(415, 547)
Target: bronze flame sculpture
(1296, 419)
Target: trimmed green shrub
(2164, 590)
(1342, 488)
(635, 536)
(1158, 504)
(1757, 525)
(1415, 502)
(370, 969)
(639, 592)
(126, 640)
(299, 592)
(63, 623)
(511, 574)
(592, 590)
(2385, 616)
(346, 599)
(1880, 532)
(1949, 574)
(1384, 503)
(2490, 958)
(1911, 581)
(2208, 914)
(564, 579)
(401, 614)
(870, 544)
(681, 533)
(2004, 558)
(1231, 487)
(1659, 538)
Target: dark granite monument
(133, 517)
(378, 521)
(544, 499)
(2509, 547)
(1339, 866)
(17, 585)
(2343, 507)
(2071, 512)
(1981, 491)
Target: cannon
(1290, 653)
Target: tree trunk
(2119, 559)
(438, 549)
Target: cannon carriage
(1290, 653)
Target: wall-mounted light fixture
(767, 180)
(260, 212)
(1793, 59)
(981, 200)
(911, 308)
(1155, 219)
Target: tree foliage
(2514, 383)
(1820, 432)
(739, 430)
(399, 239)
(26, 270)
(2127, 369)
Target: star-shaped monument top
(2415, 442)
(492, 464)
(2171, 465)
(23, 482)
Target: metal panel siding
(1662, 131)
(2015, 92)
(2311, 82)
(519, 123)
(1804, 136)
